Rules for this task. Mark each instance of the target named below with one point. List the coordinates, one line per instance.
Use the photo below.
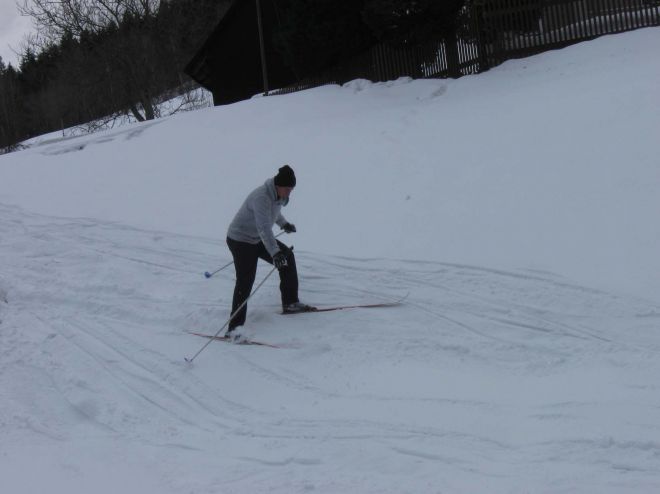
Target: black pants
(245, 261)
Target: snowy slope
(550, 162)
(517, 208)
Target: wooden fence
(492, 32)
(520, 28)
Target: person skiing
(250, 237)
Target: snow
(517, 208)
(192, 100)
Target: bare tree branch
(58, 17)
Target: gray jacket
(254, 221)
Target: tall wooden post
(264, 69)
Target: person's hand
(279, 260)
(289, 228)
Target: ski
(235, 342)
(394, 303)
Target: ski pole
(190, 360)
(208, 275)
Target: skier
(250, 237)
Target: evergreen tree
(413, 21)
(314, 35)
(417, 22)
(11, 124)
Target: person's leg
(288, 274)
(245, 262)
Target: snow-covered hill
(517, 208)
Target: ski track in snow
(509, 380)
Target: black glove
(279, 260)
(289, 228)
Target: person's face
(283, 192)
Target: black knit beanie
(285, 177)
